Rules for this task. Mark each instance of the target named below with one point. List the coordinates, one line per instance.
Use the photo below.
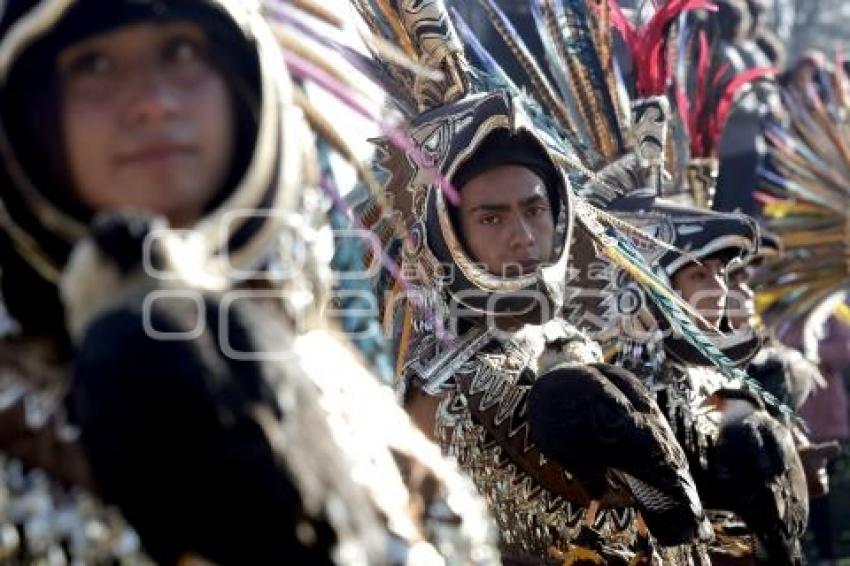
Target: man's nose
(522, 235)
(150, 97)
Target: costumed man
(742, 452)
(478, 386)
(172, 379)
(567, 451)
(624, 168)
(739, 438)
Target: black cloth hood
(453, 137)
(698, 232)
(42, 224)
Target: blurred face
(147, 121)
(703, 286)
(741, 308)
(506, 220)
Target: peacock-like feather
(586, 54)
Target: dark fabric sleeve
(168, 427)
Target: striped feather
(556, 62)
(543, 90)
(486, 61)
(590, 81)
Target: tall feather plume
(488, 75)
(601, 16)
(486, 62)
(584, 52)
(302, 36)
(424, 34)
(308, 34)
(543, 90)
(547, 28)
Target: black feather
(600, 422)
(758, 475)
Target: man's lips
(521, 267)
(154, 153)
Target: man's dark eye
(490, 219)
(183, 50)
(89, 64)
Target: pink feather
(303, 69)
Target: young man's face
(506, 220)
(147, 120)
(703, 286)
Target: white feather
(91, 284)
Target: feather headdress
(607, 135)
(319, 52)
(652, 45)
(805, 191)
(705, 93)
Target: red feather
(697, 135)
(707, 111)
(647, 45)
(724, 108)
(624, 26)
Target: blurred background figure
(749, 45)
(827, 412)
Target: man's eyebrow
(533, 199)
(491, 207)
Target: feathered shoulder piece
(804, 191)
